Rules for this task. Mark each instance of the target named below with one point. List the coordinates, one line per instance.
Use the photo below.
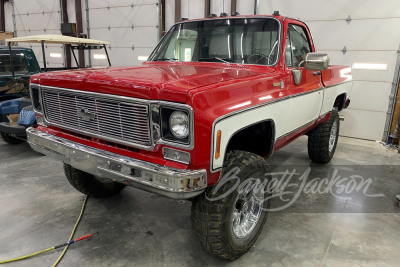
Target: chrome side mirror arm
(297, 73)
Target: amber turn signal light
(217, 150)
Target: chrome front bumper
(107, 166)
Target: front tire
(227, 222)
(10, 139)
(89, 185)
(322, 140)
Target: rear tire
(322, 140)
(10, 139)
(89, 185)
(228, 227)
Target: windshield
(241, 40)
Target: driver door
(307, 96)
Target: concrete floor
(38, 209)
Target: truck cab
(14, 89)
(196, 121)
(24, 66)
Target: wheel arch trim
(272, 140)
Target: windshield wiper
(225, 60)
(166, 59)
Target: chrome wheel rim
(332, 137)
(246, 213)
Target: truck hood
(157, 81)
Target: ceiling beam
(233, 6)
(2, 17)
(65, 19)
(207, 8)
(79, 29)
(256, 7)
(162, 19)
(178, 7)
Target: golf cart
(16, 113)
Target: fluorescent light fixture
(99, 56)
(142, 58)
(370, 66)
(55, 55)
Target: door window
(297, 45)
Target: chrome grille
(113, 119)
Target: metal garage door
(131, 26)
(40, 17)
(371, 36)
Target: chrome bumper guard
(108, 167)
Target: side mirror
(313, 61)
(317, 61)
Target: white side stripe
(287, 114)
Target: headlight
(179, 124)
(175, 125)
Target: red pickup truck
(215, 99)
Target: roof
(56, 39)
(233, 17)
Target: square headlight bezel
(160, 120)
(36, 98)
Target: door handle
(316, 73)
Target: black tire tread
(318, 140)
(207, 216)
(10, 139)
(89, 185)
